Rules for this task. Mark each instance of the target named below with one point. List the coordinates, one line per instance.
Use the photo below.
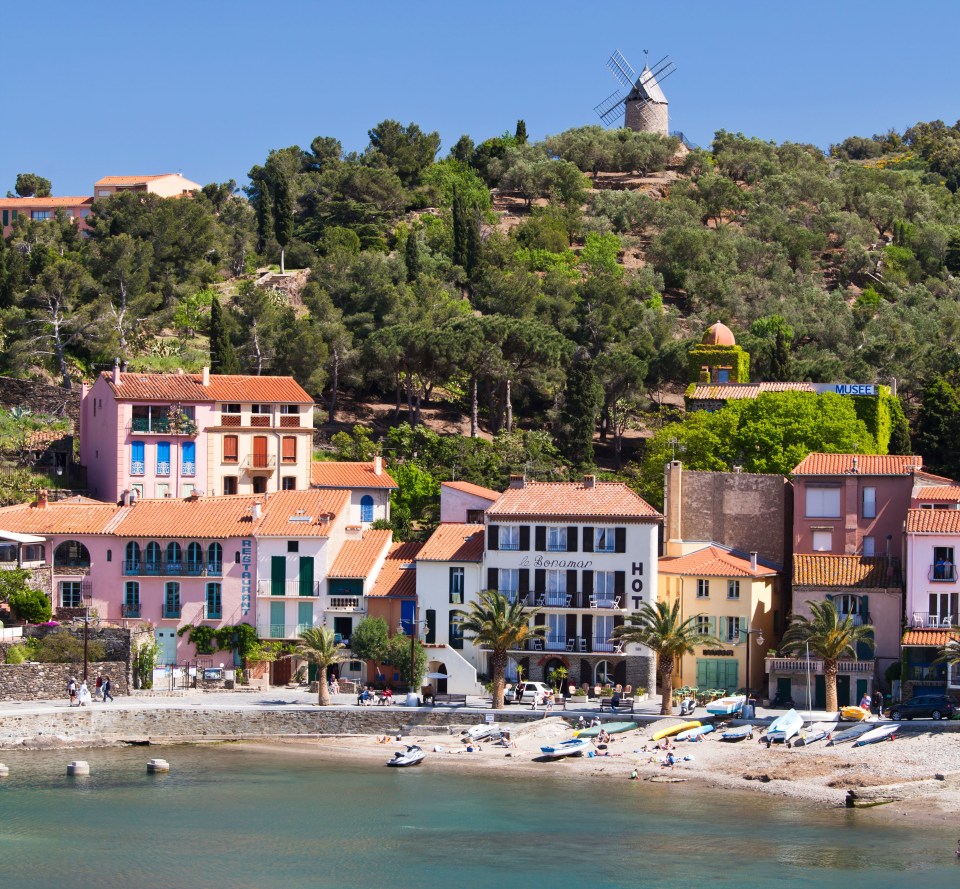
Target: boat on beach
(483, 730)
(573, 747)
(854, 714)
(810, 735)
(738, 733)
(412, 756)
(783, 728)
(880, 733)
(691, 734)
(849, 734)
(662, 733)
(611, 728)
(727, 706)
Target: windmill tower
(640, 99)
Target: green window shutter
(278, 575)
(701, 673)
(304, 614)
(306, 576)
(277, 618)
(712, 625)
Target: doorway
(167, 641)
(440, 668)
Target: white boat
(727, 706)
(483, 730)
(691, 734)
(783, 728)
(850, 734)
(738, 733)
(573, 747)
(412, 756)
(813, 733)
(880, 733)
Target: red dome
(719, 335)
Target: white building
(369, 484)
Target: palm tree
(830, 637)
(660, 627)
(318, 646)
(950, 653)
(500, 626)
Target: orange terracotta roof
(923, 475)
(130, 180)
(218, 517)
(61, 517)
(44, 203)
(933, 521)
(398, 576)
(866, 464)
(470, 488)
(873, 572)
(222, 387)
(344, 474)
(712, 561)
(454, 542)
(738, 391)
(939, 494)
(301, 513)
(357, 558)
(929, 638)
(605, 500)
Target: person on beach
(865, 702)
(670, 761)
(72, 691)
(581, 722)
(107, 687)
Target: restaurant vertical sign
(246, 575)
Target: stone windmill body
(640, 100)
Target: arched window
(174, 558)
(366, 508)
(152, 560)
(71, 554)
(214, 559)
(847, 606)
(603, 673)
(194, 558)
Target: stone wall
(41, 398)
(46, 682)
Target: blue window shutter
(366, 508)
(407, 610)
(188, 452)
(163, 452)
(137, 448)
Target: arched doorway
(440, 669)
(552, 664)
(71, 554)
(603, 673)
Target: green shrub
(62, 647)
(16, 654)
(31, 606)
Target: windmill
(644, 104)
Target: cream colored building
(166, 185)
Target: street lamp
(760, 640)
(413, 699)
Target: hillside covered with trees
(548, 291)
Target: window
(869, 546)
(703, 588)
(259, 408)
(150, 418)
(848, 606)
(556, 632)
(293, 546)
(604, 540)
(163, 458)
(214, 603)
(456, 586)
(214, 558)
(869, 503)
(194, 558)
(40, 214)
(131, 599)
(823, 502)
(231, 449)
(171, 600)
(455, 630)
(556, 592)
(259, 484)
(703, 625)
(229, 408)
(174, 558)
(943, 610)
(71, 594)
(733, 589)
(137, 458)
(603, 633)
(289, 408)
(557, 540)
(163, 490)
(474, 516)
(151, 563)
(510, 537)
(733, 629)
(822, 541)
(71, 554)
(131, 558)
(288, 453)
(136, 492)
(188, 459)
(229, 484)
(288, 483)
(508, 582)
(943, 563)
(366, 508)
(603, 585)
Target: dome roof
(718, 335)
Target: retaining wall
(45, 682)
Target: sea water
(230, 818)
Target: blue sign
(847, 388)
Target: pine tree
(282, 216)
(780, 357)
(581, 405)
(521, 134)
(460, 230)
(223, 358)
(938, 427)
(412, 257)
(952, 258)
(473, 244)
(6, 294)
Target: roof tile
(45, 203)
(398, 576)
(470, 488)
(300, 513)
(454, 542)
(865, 572)
(712, 561)
(222, 387)
(939, 494)
(929, 638)
(63, 517)
(933, 521)
(574, 500)
(866, 464)
(357, 558)
(342, 474)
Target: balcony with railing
(290, 588)
(290, 421)
(942, 572)
(280, 631)
(130, 609)
(171, 611)
(584, 601)
(171, 568)
(160, 425)
(799, 665)
(188, 468)
(344, 603)
(259, 420)
(574, 644)
(138, 467)
(259, 463)
(163, 467)
(924, 620)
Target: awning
(14, 537)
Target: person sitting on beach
(671, 761)
(581, 722)
(365, 696)
(595, 722)
(603, 737)
(387, 696)
(383, 739)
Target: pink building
(465, 502)
(12, 209)
(170, 435)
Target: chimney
(134, 496)
(116, 371)
(125, 498)
(672, 507)
(377, 464)
(255, 511)
(589, 481)
(206, 376)
(517, 481)
(855, 469)
(753, 562)
(42, 498)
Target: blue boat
(783, 728)
(573, 747)
(727, 706)
(738, 733)
(691, 734)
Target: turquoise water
(229, 818)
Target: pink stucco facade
(933, 588)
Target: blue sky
(209, 87)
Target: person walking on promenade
(98, 688)
(107, 686)
(83, 696)
(72, 691)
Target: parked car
(529, 691)
(924, 707)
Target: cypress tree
(473, 244)
(938, 427)
(412, 257)
(282, 216)
(900, 431)
(223, 358)
(780, 358)
(581, 406)
(460, 230)
(264, 216)
(952, 258)
(521, 134)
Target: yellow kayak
(854, 713)
(674, 729)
